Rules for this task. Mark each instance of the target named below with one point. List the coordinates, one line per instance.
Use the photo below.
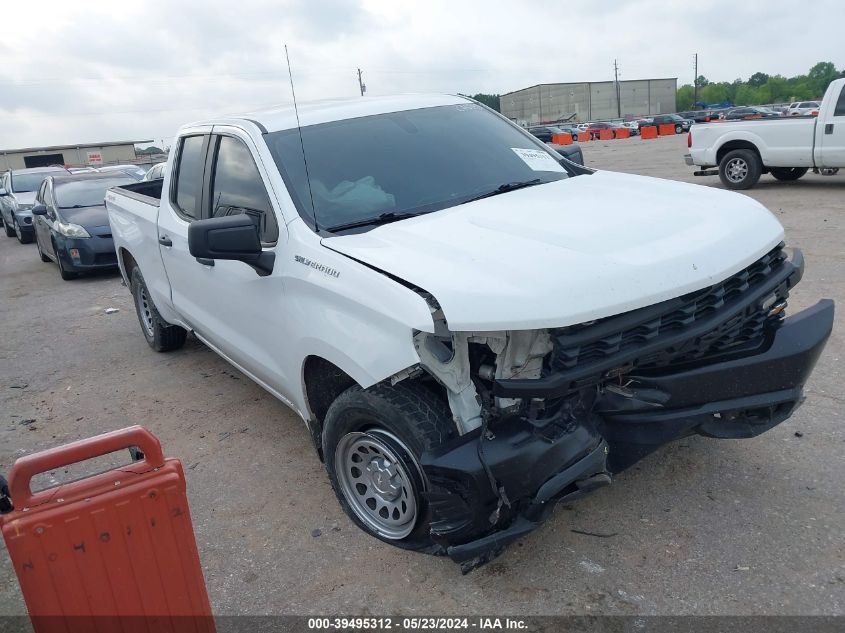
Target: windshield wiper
(384, 218)
(505, 188)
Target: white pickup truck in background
(471, 326)
(786, 148)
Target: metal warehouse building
(590, 101)
(94, 154)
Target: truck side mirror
(39, 209)
(233, 237)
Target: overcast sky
(87, 71)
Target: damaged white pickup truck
(472, 327)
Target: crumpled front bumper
(488, 490)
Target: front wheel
(160, 335)
(41, 254)
(788, 173)
(372, 442)
(10, 230)
(678, 129)
(22, 237)
(740, 169)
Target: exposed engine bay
(549, 415)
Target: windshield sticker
(538, 160)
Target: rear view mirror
(39, 209)
(233, 237)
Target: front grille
(580, 346)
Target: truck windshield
(86, 193)
(387, 167)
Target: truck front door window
(237, 187)
(189, 175)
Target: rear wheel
(740, 169)
(372, 442)
(160, 335)
(788, 173)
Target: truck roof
(283, 117)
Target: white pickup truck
(472, 327)
(786, 147)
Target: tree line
(761, 88)
(758, 89)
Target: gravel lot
(702, 527)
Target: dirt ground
(702, 527)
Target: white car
(801, 108)
(786, 148)
(471, 327)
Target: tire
(23, 239)
(67, 275)
(41, 254)
(10, 230)
(394, 425)
(574, 138)
(160, 335)
(679, 129)
(788, 173)
(740, 169)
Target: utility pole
(618, 94)
(695, 83)
(361, 82)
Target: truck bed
(148, 191)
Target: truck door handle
(165, 241)
(205, 262)
(828, 128)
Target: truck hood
(569, 251)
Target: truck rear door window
(840, 104)
(237, 187)
(189, 175)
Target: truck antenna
(301, 142)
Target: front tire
(372, 442)
(786, 174)
(23, 239)
(678, 129)
(67, 275)
(10, 230)
(740, 169)
(41, 254)
(160, 335)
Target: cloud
(102, 70)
